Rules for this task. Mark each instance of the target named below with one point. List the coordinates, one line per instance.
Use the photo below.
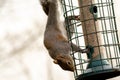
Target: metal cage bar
(107, 60)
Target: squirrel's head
(65, 62)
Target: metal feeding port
(91, 25)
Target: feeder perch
(95, 30)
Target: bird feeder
(91, 25)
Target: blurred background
(22, 53)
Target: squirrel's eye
(69, 63)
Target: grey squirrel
(55, 36)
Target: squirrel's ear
(55, 61)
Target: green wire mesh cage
(91, 24)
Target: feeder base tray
(99, 75)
